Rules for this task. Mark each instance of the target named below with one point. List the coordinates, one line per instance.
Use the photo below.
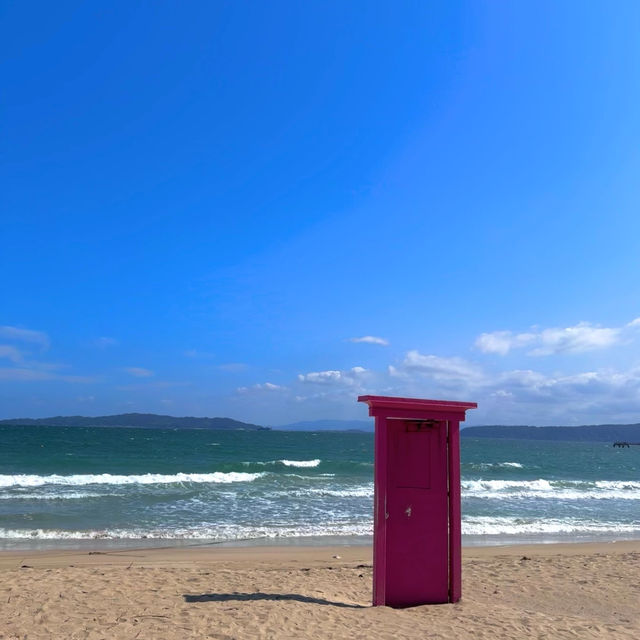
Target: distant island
(328, 425)
(140, 420)
(584, 433)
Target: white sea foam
(287, 463)
(300, 463)
(317, 478)
(217, 477)
(500, 525)
(355, 492)
(223, 532)
(552, 489)
(483, 466)
(618, 485)
(477, 526)
(75, 495)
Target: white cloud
(590, 396)
(371, 340)
(265, 386)
(321, 377)
(437, 367)
(502, 393)
(522, 396)
(502, 341)
(139, 372)
(582, 337)
(543, 342)
(25, 335)
(513, 396)
(269, 386)
(349, 377)
(11, 353)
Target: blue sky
(263, 210)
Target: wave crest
(553, 489)
(488, 525)
(300, 463)
(82, 479)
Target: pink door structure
(417, 537)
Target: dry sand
(542, 591)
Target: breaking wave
(73, 495)
(217, 477)
(484, 466)
(355, 492)
(220, 533)
(489, 525)
(286, 463)
(471, 526)
(300, 463)
(555, 489)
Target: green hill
(584, 433)
(144, 420)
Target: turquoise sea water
(67, 486)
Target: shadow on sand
(248, 597)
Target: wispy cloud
(233, 367)
(436, 367)
(198, 354)
(25, 335)
(139, 372)
(27, 369)
(371, 340)
(104, 342)
(22, 374)
(543, 342)
(153, 384)
(264, 386)
(11, 353)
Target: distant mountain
(585, 433)
(328, 425)
(145, 420)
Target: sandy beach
(541, 591)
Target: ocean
(109, 487)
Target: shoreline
(168, 554)
(30, 545)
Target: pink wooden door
(417, 532)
